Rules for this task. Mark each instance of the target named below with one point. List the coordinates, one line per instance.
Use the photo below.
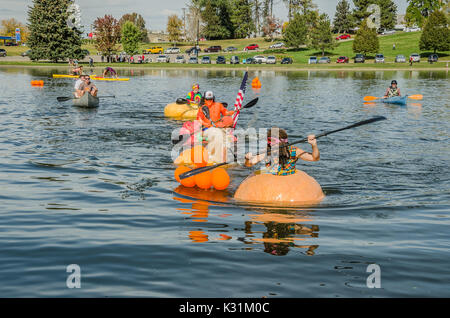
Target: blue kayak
(395, 100)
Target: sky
(155, 12)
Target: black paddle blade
(205, 111)
(251, 103)
(181, 101)
(63, 99)
(194, 172)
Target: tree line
(51, 37)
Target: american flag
(239, 100)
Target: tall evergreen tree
(436, 33)
(213, 22)
(242, 18)
(321, 36)
(296, 31)
(343, 19)
(360, 11)
(366, 40)
(225, 13)
(388, 14)
(51, 37)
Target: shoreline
(250, 67)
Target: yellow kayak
(93, 77)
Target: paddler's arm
(307, 156)
(251, 160)
(226, 112)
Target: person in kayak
(110, 71)
(78, 70)
(194, 97)
(393, 90)
(213, 114)
(87, 87)
(281, 158)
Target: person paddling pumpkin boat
(280, 182)
(281, 158)
(213, 114)
(194, 97)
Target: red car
(251, 47)
(343, 37)
(342, 59)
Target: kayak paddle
(65, 99)
(204, 169)
(372, 98)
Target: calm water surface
(96, 188)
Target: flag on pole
(239, 100)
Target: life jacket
(289, 168)
(392, 92)
(194, 98)
(217, 113)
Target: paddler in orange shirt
(216, 114)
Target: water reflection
(277, 230)
(281, 232)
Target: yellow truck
(154, 50)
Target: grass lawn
(406, 44)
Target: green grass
(406, 44)
(14, 50)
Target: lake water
(96, 188)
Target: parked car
(251, 47)
(278, 45)
(415, 57)
(260, 59)
(193, 60)
(312, 60)
(154, 50)
(250, 60)
(387, 32)
(433, 58)
(180, 59)
(230, 49)
(193, 50)
(324, 60)
(173, 50)
(206, 60)
(11, 44)
(213, 49)
(163, 59)
(379, 58)
(342, 59)
(287, 60)
(234, 59)
(400, 59)
(26, 53)
(359, 58)
(415, 29)
(2, 52)
(221, 60)
(271, 60)
(343, 37)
